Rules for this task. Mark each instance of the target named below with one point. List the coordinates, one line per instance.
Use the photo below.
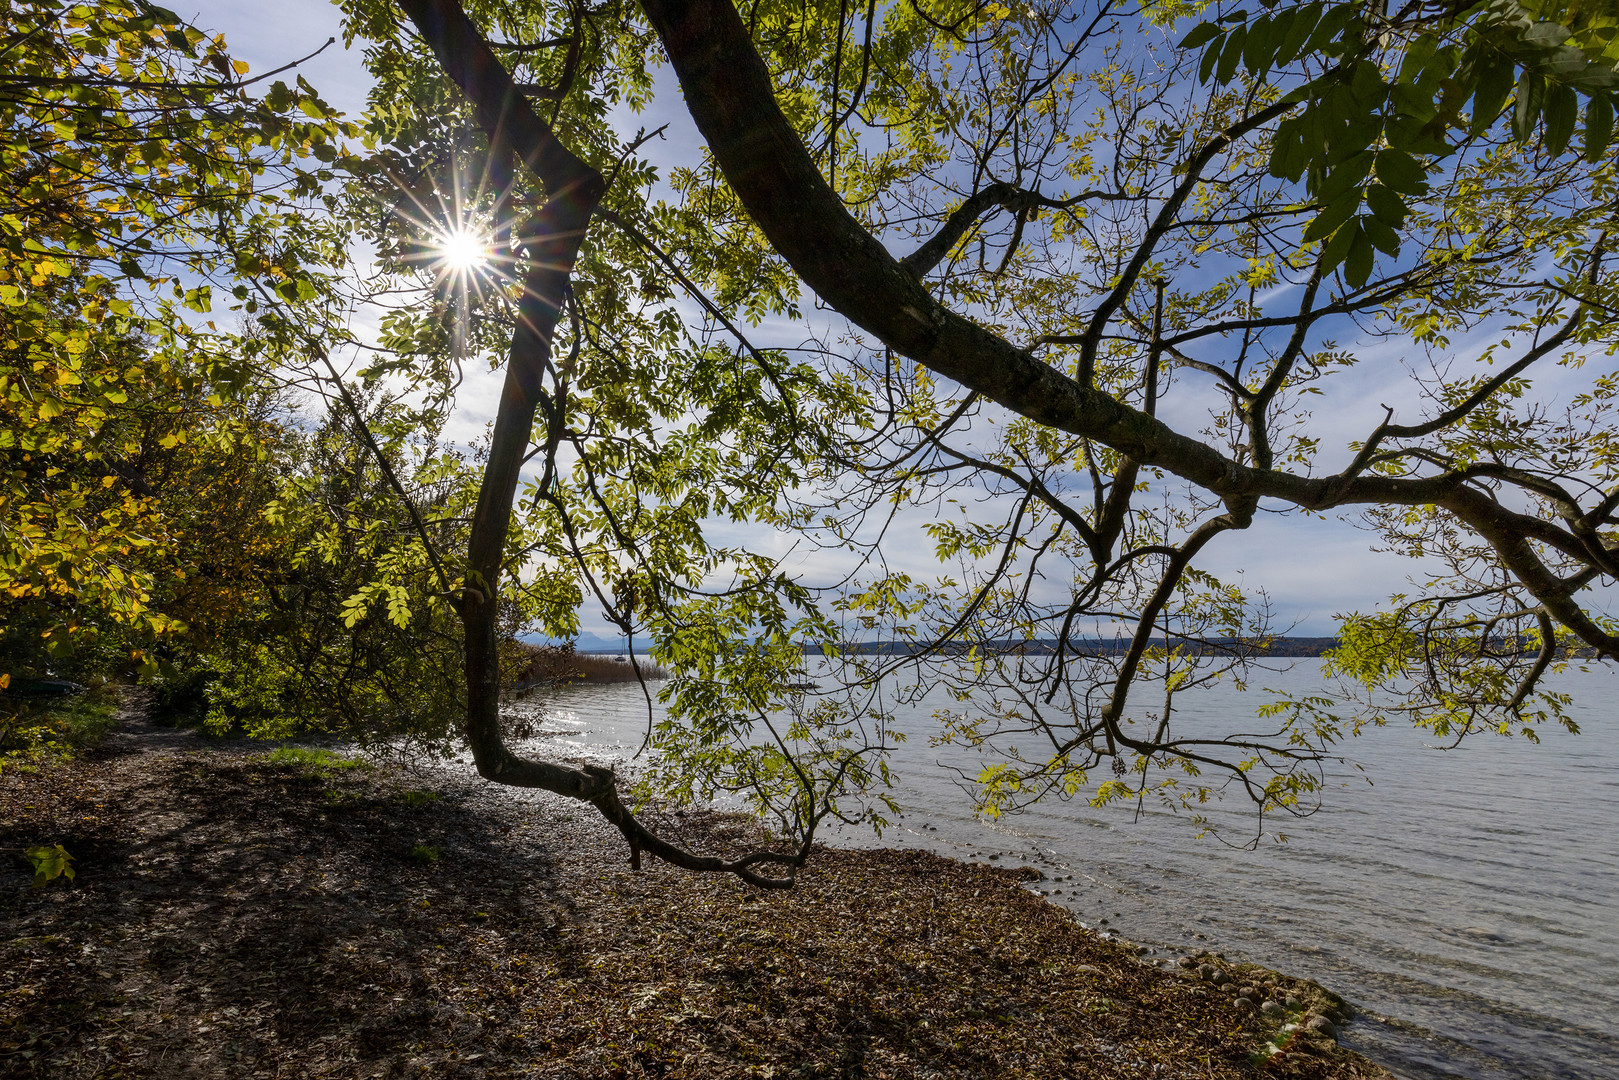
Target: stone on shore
(1322, 1026)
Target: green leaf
(1257, 48)
(279, 99)
(1281, 25)
(1414, 135)
(1531, 89)
(1418, 56)
(1381, 236)
(1332, 216)
(1231, 54)
(399, 607)
(1400, 171)
(1598, 127)
(1494, 86)
(1386, 203)
(1366, 83)
(1288, 156)
(1545, 34)
(50, 863)
(1344, 177)
(1338, 247)
(1211, 57)
(1561, 110)
(1328, 36)
(1201, 33)
(1360, 258)
(1298, 32)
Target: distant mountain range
(586, 642)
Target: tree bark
(550, 242)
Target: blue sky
(1310, 567)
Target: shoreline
(1472, 950)
(238, 916)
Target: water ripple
(1467, 901)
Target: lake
(1466, 901)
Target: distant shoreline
(1281, 648)
(1286, 647)
(1272, 647)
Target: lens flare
(463, 251)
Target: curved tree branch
(730, 95)
(551, 240)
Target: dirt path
(236, 917)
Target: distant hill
(586, 642)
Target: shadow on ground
(237, 917)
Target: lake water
(1466, 901)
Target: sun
(463, 251)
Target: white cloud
(1310, 567)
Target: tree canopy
(1079, 281)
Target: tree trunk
(550, 242)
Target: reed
(555, 664)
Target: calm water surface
(1466, 901)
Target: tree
(1492, 489)
(168, 506)
(133, 481)
(1092, 240)
(623, 518)
(321, 614)
(138, 174)
(1128, 268)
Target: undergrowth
(315, 762)
(35, 733)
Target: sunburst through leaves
(463, 252)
